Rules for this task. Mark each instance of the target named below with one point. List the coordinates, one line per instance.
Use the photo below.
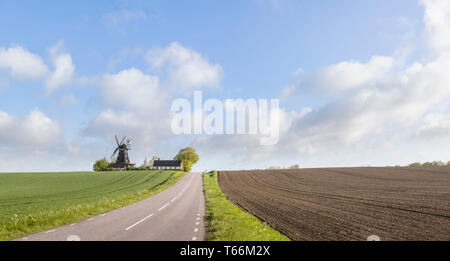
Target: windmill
(122, 159)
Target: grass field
(32, 202)
(227, 222)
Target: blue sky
(65, 65)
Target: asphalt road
(175, 214)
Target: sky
(360, 83)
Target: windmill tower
(122, 161)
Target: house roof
(167, 163)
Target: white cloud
(134, 106)
(435, 126)
(437, 24)
(21, 63)
(64, 68)
(352, 74)
(148, 130)
(371, 112)
(125, 54)
(124, 18)
(118, 121)
(133, 89)
(288, 92)
(35, 129)
(187, 68)
(248, 147)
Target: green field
(31, 202)
(227, 222)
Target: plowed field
(398, 203)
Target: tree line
(430, 164)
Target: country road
(174, 214)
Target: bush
(131, 167)
(102, 165)
(438, 163)
(138, 168)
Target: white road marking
(194, 238)
(50, 231)
(25, 238)
(161, 208)
(196, 223)
(198, 214)
(130, 227)
(73, 224)
(73, 238)
(373, 238)
(196, 229)
(102, 215)
(90, 219)
(175, 198)
(198, 218)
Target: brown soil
(394, 203)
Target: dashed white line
(194, 238)
(198, 214)
(90, 219)
(50, 231)
(73, 224)
(198, 218)
(196, 229)
(102, 215)
(130, 227)
(196, 223)
(161, 208)
(175, 198)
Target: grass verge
(69, 205)
(227, 222)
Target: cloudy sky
(359, 82)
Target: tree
(101, 165)
(188, 156)
(145, 164)
(438, 163)
(153, 161)
(415, 164)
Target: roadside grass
(33, 202)
(227, 222)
